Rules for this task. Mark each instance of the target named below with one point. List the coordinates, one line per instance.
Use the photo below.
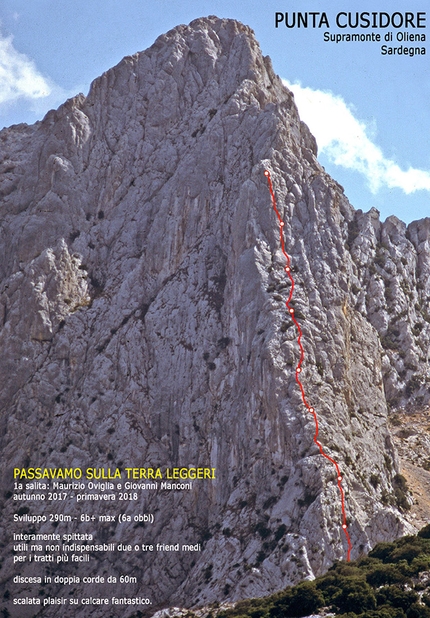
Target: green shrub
(385, 574)
(384, 612)
(374, 480)
(419, 564)
(408, 552)
(389, 341)
(380, 259)
(417, 610)
(396, 597)
(262, 530)
(414, 384)
(382, 551)
(424, 533)
(258, 613)
(353, 231)
(301, 600)
(355, 595)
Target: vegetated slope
(143, 323)
(393, 581)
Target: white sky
(348, 142)
(19, 76)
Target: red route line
(299, 366)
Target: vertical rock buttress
(144, 322)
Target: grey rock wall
(143, 320)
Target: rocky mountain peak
(143, 319)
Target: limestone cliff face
(143, 321)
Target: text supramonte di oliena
(363, 26)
